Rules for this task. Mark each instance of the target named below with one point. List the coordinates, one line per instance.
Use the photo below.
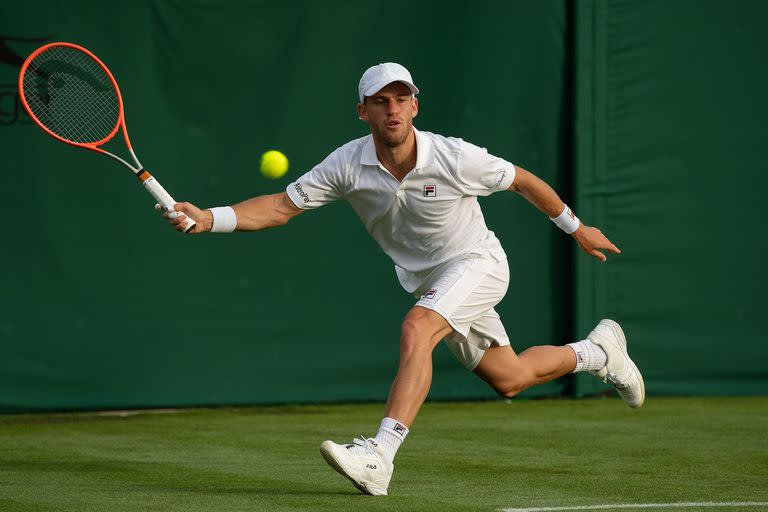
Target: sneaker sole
(331, 460)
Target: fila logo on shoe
(430, 190)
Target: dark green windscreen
(671, 103)
(104, 306)
(646, 116)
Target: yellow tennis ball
(274, 164)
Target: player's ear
(362, 113)
(415, 107)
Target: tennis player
(416, 192)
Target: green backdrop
(669, 125)
(104, 306)
(646, 116)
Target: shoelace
(361, 443)
(611, 378)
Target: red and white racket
(74, 98)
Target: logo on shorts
(430, 190)
(400, 429)
(430, 294)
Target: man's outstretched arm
(253, 214)
(542, 196)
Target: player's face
(390, 113)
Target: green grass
(459, 456)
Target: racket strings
(71, 95)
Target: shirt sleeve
(481, 173)
(323, 184)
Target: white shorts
(464, 291)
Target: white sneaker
(619, 370)
(362, 462)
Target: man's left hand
(592, 241)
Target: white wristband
(224, 219)
(566, 221)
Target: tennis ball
(274, 164)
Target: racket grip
(163, 197)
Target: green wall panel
(669, 161)
(104, 306)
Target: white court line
(642, 505)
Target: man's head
(388, 102)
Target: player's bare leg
(603, 353)
(422, 330)
(508, 374)
(368, 463)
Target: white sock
(589, 356)
(391, 434)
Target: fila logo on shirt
(430, 294)
(430, 190)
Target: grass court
(483, 456)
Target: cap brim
(379, 86)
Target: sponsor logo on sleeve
(430, 190)
(430, 294)
(301, 192)
(500, 175)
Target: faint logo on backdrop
(13, 51)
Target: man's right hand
(203, 218)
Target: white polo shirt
(431, 216)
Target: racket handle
(163, 197)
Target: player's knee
(415, 336)
(512, 386)
(412, 335)
(421, 331)
(508, 391)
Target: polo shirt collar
(368, 156)
(425, 154)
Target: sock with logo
(391, 434)
(589, 356)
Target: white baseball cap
(379, 76)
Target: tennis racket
(72, 96)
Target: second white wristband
(567, 221)
(224, 219)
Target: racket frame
(149, 182)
